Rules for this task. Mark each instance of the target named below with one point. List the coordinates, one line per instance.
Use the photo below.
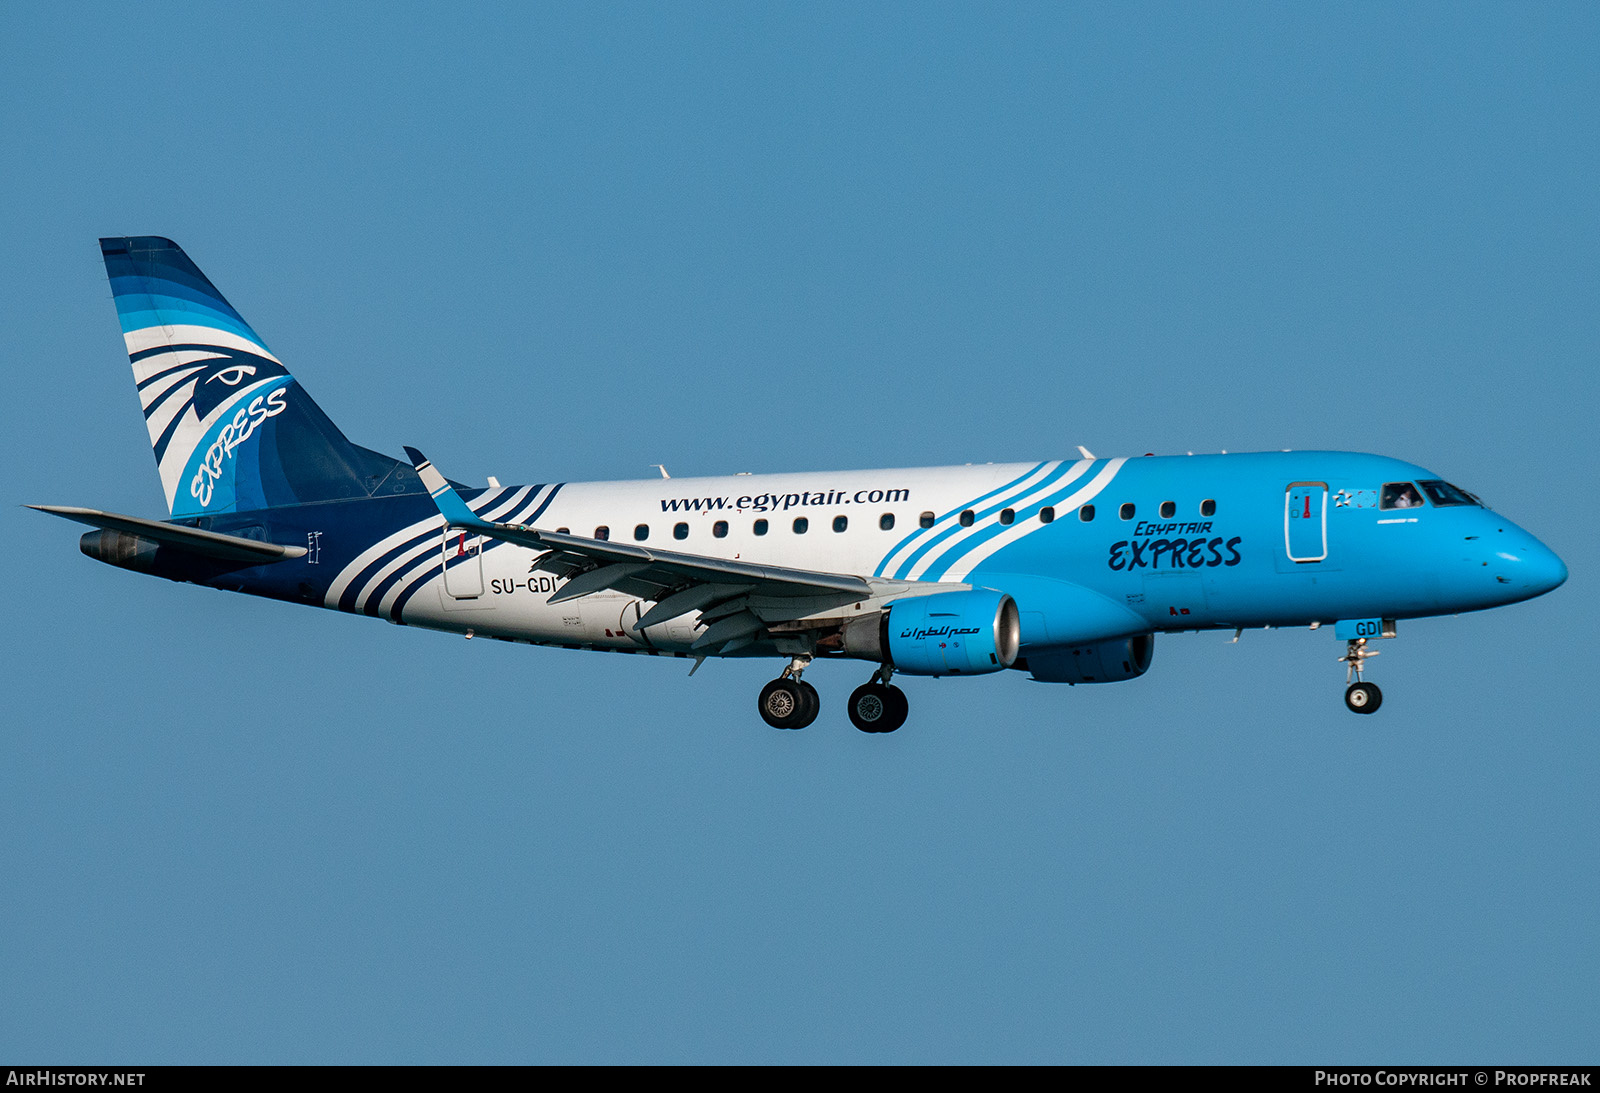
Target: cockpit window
(1443, 493)
(1400, 495)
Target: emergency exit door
(1305, 521)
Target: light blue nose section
(1539, 570)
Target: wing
(737, 601)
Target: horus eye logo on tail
(201, 402)
(231, 429)
(206, 381)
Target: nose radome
(1541, 570)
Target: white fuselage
(867, 523)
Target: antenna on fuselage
(1085, 452)
(662, 469)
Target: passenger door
(1305, 522)
(463, 564)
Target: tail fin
(231, 428)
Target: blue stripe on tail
(231, 429)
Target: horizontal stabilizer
(211, 544)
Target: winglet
(451, 507)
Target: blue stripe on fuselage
(941, 532)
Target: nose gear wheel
(1359, 696)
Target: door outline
(461, 555)
(1307, 490)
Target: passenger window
(886, 521)
(800, 525)
(602, 532)
(1400, 495)
(679, 531)
(1047, 514)
(1007, 515)
(641, 532)
(1127, 511)
(1168, 510)
(759, 527)
(1086, 513)
(720, 529)
(926, 520)
(1208, 507)
(840, 523)
(967, 518)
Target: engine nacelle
(1107, 662)
(953, 633)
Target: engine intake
(953, 633)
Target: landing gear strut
(789, 702)
(877, 706)
(1359, 696)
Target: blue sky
(565, 242)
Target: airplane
(1063, 569)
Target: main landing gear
(877, 705)
(1359, 696)
(789, 702)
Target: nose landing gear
(1359, 696)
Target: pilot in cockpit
(1400, 495)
